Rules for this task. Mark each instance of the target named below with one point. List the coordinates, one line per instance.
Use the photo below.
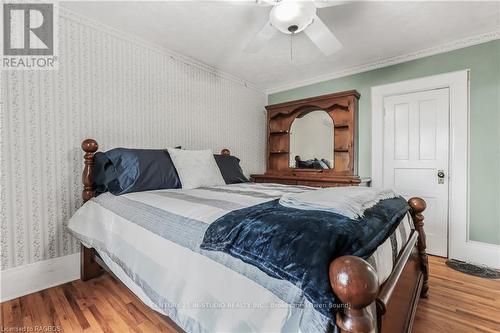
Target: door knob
(440, 177)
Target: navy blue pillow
(125, 170)
(103, 172)
(230, 169)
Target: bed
(151, 242)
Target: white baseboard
(479, 253)
(27, 279)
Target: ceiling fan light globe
(289, 13)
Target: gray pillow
(230, 169)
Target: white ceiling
(216, 33)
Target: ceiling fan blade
(261, 38)
(324, 39)
(328, 3)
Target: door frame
(459, 245)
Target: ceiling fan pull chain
(293, 29)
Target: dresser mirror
(312, 141)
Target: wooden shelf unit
(342, 108)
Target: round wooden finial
(89, 146)
(418, 205)
(225, 152)
(354, 281)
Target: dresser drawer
(284, 182)
(318, 184)
(312, 181)
(277, 181)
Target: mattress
(150, 240)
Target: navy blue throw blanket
(299, 245)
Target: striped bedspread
(151, 240)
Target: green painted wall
(484, 62)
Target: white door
(416, 135)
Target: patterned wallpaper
(122, 92)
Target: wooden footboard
(352, 279)
(356, 284)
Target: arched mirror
(311, 141)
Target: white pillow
(196, 168)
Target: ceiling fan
(291, 17)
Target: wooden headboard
(90, 146)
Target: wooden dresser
(340, 143)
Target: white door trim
(459, 245)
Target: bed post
(355, 283)
(418, 205)
(89, 146)
(88, 267)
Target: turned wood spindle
(88, 267)
(89, 146)
(417, 206)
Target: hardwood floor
(457, 303)
(98, 305)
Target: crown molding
(443, 48)
(101, 27)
